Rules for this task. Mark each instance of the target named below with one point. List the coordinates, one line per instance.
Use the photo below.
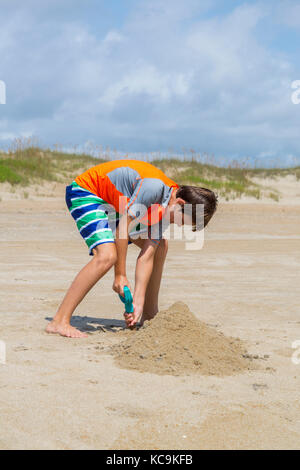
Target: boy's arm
(144, 267)
(121, 246)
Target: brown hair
(195, 195)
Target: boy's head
(190, 201)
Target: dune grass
(229, 183)
(31, 164)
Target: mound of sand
(176, 343)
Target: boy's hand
(119, 283)
(132, 318)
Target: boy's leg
(104, 258)
(152, 292)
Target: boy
(125, 193)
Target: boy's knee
(107, 257)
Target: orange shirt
(130, 185)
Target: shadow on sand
(91, 324)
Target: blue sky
(154, 75)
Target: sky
(145, 76)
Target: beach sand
(57, 393)
(176, 343)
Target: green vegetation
(32, 165)
(227, 182)
(29, 164)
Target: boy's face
(175, 211)
(180, 218)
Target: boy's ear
(180, 201)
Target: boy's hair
(195, 195)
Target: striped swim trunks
(96, 220)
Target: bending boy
(105, 202)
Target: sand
(61, 394)
(177, 343)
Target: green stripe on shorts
(93, 216)
(105, 235)
(82, 201)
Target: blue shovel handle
(127, 300)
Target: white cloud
(288, 13)
(113, 37)
(7, 136)
(224, 46)
(148, 80)
(173, 74)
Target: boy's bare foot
(146, 318)
(64, 329)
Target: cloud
(288, 13)
(162, 74)
(146, 80)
